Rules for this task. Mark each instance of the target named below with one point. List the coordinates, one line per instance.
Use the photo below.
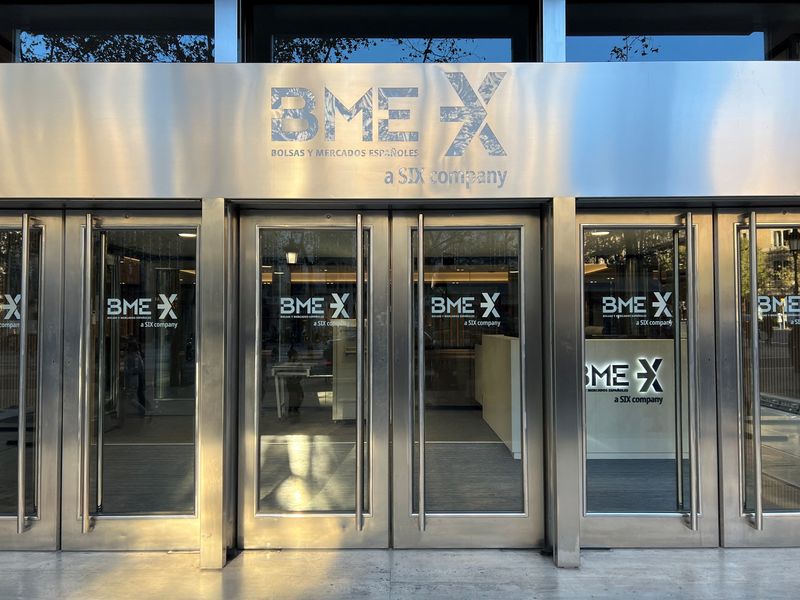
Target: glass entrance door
(467, 404)
(130, 382)
(649, 443)
(759, 307)
(314, 331)
(30, 372)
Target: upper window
(664, 31)
(387, 33)
(178, 31)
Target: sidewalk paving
(404, 574)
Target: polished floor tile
(404, 574)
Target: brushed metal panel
(212, 383)
(204, 130)
(564, 410)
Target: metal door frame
(315, 530)
(665, 529)
(501, 530)
(41, 532)
(739, 527)
(117, 532)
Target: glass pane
(10, 301)
(292, 49)
(144, 395)
(107, 32)
(779, 367)
(307, 400)
(378, 32)
(473, 388)
(672, 31)
(637, 451)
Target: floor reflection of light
(294, 494)
(316, 475)
(299, 450)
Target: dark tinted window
(389, 50)
(107, 32)
(363, 32)
(663, 31)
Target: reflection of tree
(480, 248)
(653, 247)
(176, 47)
(341, 49)
(121, 47)
(633, 45)
(773, 276)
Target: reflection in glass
(308, 361)
(473, 390)
(144, 390)
(107, 32)
(779, 367)
(10, 286)
(376, 32)
(636, 425)
(676, 31)
(291, 49)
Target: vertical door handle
(86, 384)
(22, 417)
(678, 368)
(755, 370)
(691, 358)
(101, 370)
(359, 373)
(421, 366)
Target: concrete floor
(452, 575)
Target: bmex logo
(636, 306)
(773, 305)
(315, 306)
(466, 306)
(295, 116)
(617, 375)
(11, 306)
(141, 308)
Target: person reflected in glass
(133, 377)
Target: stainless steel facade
(582, 130)
(563, 142)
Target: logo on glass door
(315, 307)
(787, 307)
(483, 307)
(638, 307)
(11, 315)
(616, 377)
(153, 312)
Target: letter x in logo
(11, 306)
(661, 304)
(650, 375)
(166, 305)
(338, 306)
(472, 113)
(488, 304)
